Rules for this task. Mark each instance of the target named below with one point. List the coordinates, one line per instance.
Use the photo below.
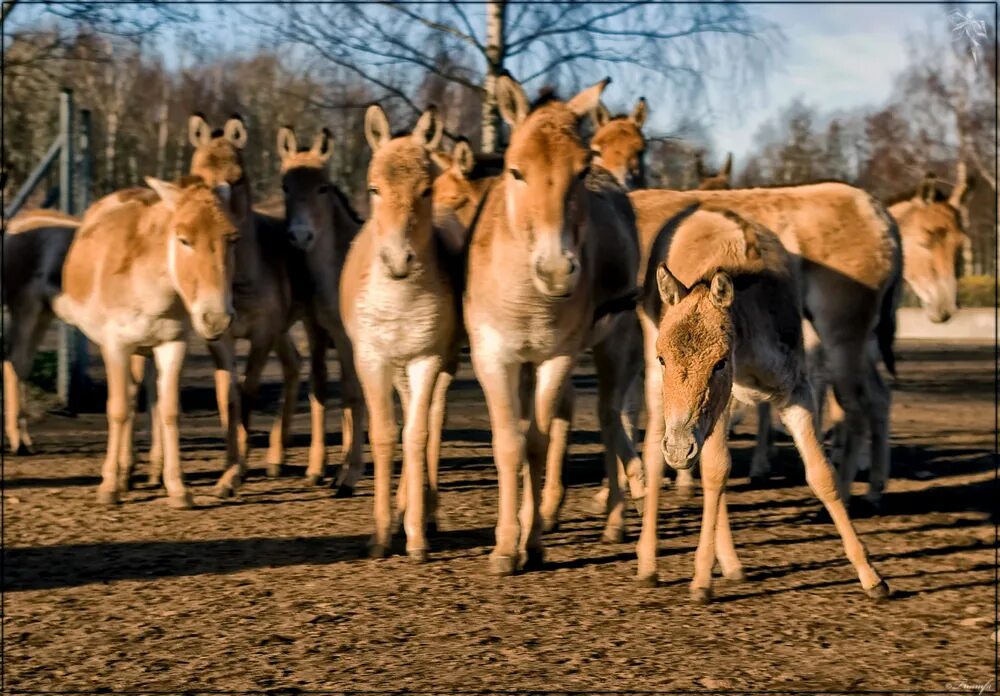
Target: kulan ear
(927, 188)
(587, 100)
(236, 131)
(429, 129)
(376, 127)
(727, 167)
(168, 193)
(322, 146)
(199, 132)
(640, 112)
(462, 157)
(511, 101)
(287, 144)
(442, 160)
(672, 291)
(722, 292)
(600, 116)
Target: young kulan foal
(137, 275)
(731, 328)
(321, 225)
(398, 307)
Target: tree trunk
(161, 135)
(495, 45)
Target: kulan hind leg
(881, 401)
(847, 373)
(797, 416)
(281, 430)
(29, 320)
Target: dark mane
(939, 196)
(546, 95)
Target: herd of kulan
(705, 297)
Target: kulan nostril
(692, 450)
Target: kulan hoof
(549, 524)
(701, 595)
(221, 491)
(651, 580)
(273, 470)
(106, 497)
(344, 491)
(684, 492)
(22, 450)
(503, 565)
(184, 501)
(314, 480)
(417, 555)
(533, 559)
(640, 505)
(880, 592)
(376, 550)
(613, 535)
(125, 483)
(155, 480)
(738, 575)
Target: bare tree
(392, 45)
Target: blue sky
(836, 56)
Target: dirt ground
(267, 593)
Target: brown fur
(398, 307)
(538, 263)
(731, 327)
(320, 225)
(933, 234)
(618, 144)
(134, 277)
(713, 182)
(849, 250)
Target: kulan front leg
(715, 465)
(376, 380)
(116, 367)
(422, 376)
(281, 429)
(550, 382)
(500, 385)
(554, 491)
(169, 360)
(353, 419)
(223, 352)
(821, 477)
(318, 343)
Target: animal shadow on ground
(71, 565)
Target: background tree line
(942, 109)
(320, 65)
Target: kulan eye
(184, 241)
(659, 359)
(373, 190)
(516, 173)
(720, 366)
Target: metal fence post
(71, 370)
